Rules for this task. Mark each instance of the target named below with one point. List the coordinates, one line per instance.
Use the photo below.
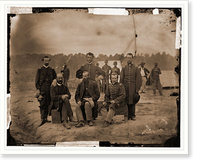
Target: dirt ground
(156, 118)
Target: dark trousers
(66, 110)
(45, 102)
(157, 85)
(131, 110)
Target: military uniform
(92, 69)
(44, 77)
(117, 93)
(130, 77)
(66, 74)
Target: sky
(72, 31)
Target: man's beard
(85, 79)
(129, 61)
(60, 82)
(46, 64)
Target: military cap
(115, 62)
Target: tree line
(74, 61)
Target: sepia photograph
(95, 77)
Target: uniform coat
(117, 93)
(115, 70)
(43, 81)
(131, 78)
(92, 69)
(94, 93)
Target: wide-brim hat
(136, 98)
(142, 63)
(156, 63)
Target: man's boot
(66, 125)
(43, 122)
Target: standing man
(44, 77)
(66, 73)
(86, 96)
(98, 78)
(156, 79)
(144, 73)
(90, 67)
(115, 69)
(105, 82)
(114, 101)
(60, 97)
(130, 77)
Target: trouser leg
(64, 113)
(104, 85)
(110, 115)
(68, 108)
(104, 113)
(131, 111)
(159, 86)
(79, 113)
(88, 111)
(154, 87)
(143, 84)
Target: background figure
(44, 77)
(105, 82)
(130, 77)
(115, 69)
(86, 96)
(156, 79)
(66, 73)
(144, 73)
(60, 97)
(98, 79)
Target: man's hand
(112, 101)
(37, 93)
(54, 82)
(79, 103)
(40, 97)
(104, 103)
(65, 96)
(90, 101)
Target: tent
(169, 79)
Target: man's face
(114, 79)
(46, 61)
(89, 58)
(59, 79)
(129, 59)
(106, 62)
(115, 64)
(142, 65)
(85, 75)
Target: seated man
(60, 97)
(86, 97)
(114, 101)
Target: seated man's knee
(87, 104)
(66, 100)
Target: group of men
(120, 97)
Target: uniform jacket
(155, 74)
(92, 69)
(117, 93)
(131, 78)
(43, 81)
(44, 74)
(92, 89)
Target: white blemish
(155, 11)
(107, 11)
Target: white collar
(89, 63)
(59, 84)
(46, 66)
